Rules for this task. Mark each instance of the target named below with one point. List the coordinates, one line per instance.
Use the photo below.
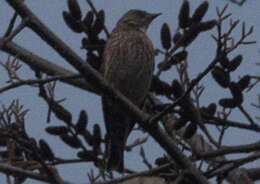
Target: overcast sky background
(200, 54)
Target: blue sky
(201, 53)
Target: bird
(128, 65)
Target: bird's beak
(154, 15)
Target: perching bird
(128, 66)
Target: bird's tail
(118, 125)
(117, 139)
(115, 154)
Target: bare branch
(36, 81)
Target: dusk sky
(200, 54)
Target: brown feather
(128, 67)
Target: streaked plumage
(128, 67)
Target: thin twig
(247, 115)
(137, 142)
(36, 81)
(193, 83)
(11, 24)
(149, 172)
(15, 32)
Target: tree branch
(231, 149)
(15, 171)
(36, 81)
(150, 172)
(40, 64)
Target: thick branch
(222, 122)
(150, 172)
(15, 171)
(38, 63)
(230, 150)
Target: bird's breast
(129, 63)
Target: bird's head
(137, 19)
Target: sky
(200, 54)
